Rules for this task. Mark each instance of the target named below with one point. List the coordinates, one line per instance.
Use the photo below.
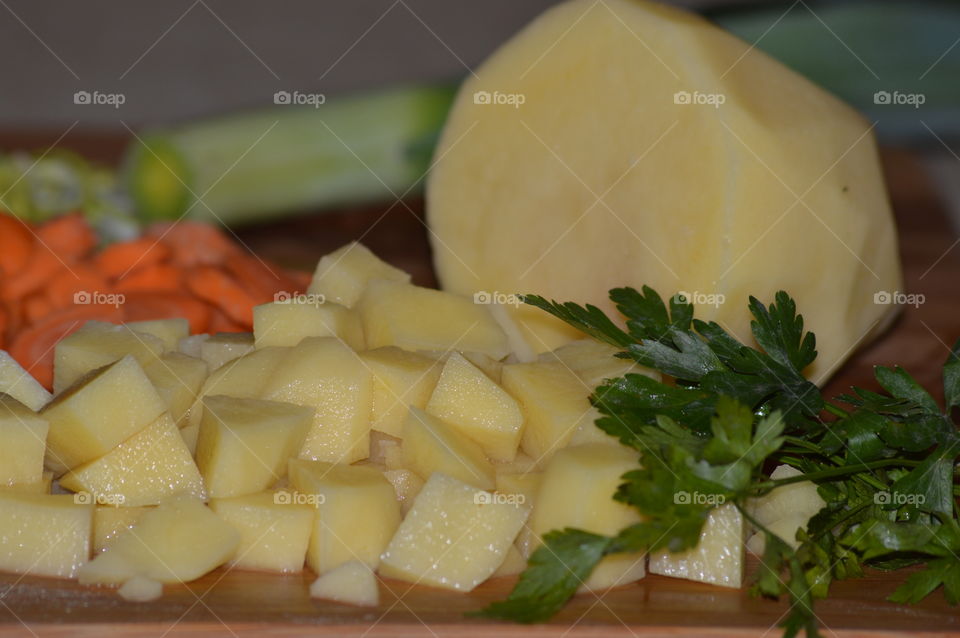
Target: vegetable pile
(53, 279)
(884, 461)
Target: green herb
(724, 416)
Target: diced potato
(525, 485)
(243, 378)
(41, 486)
(357, 512)
(414, 318)
(380, 447)
(141, 590)
(325, 374)
(244, 444)
(179, 541)
(785, 528)
(554, 402)
(521, 464)
(273, 535)
(44, 535)
(177, 378)
(225, 347)
(342, 275)
(454, 537)
(110, 521)
(97, 344)
(352, 583)
(594, 361)
(190, 346)
(287, 323)
(406, 484)
(143, 470)
(794, 499)
(190, 434)
(493, 368)
(432, 445)
(23, 441)
(98, 413)
(718, 557)
(576, 491)
(512, 564)
(168, 331)
(478, 407)
(19, 384)
(400, 379)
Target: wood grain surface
(253, 604)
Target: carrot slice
(121, 258)
(220, 322)
(156, 277)
(17, 243)
(260, 279)
(221, 290)
(33, 347)
(301, 280)
(69, 236)
(35, 273)
(194, 243)
(36, 307)
(144, 306)
(70, 285)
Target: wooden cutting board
(244, 603)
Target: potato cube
(43, 534)
(143, 470)
(177, 379)
(140, 590)
(576, 490)
(406, 484)
(190, 346)
(325, 374)
(352, 583)
(19, 384)
(287, 323)
(554, 402)
(793, 499)
(478, 407)
(357, 512)
(225, 347)
(342, 275)
(97, 344)
(525, 486)
(104, 409)
(168, 331)
(109, 521)
(244, 444)
(41, 486)
(454, 537)
(594, 361)
(718, 557)
(273, 535)
(432, 445)
(414, 318)
(177, 542)
(513, 564)
(400, 379)
(190, 434)
(23, 441)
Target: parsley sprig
(725, 414)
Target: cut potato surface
(352, 583)
(454, 537)
(432, 445)
(97, 344)
(109, 521)
(23, 441)
(19, 384)
(225, 347)
(177, 378)
(342, 275)
(623, 102)
(168, 331)
(288, 322)
(44, 535)
(400, 379)
(718, 557)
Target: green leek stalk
(255, 165)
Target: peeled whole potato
(592, 151)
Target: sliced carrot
(33, 347)
(122, 258)
(260, 279)
(218, 288)
(300, 279)
(16, 243)
(70, 285)
(4, 320)
(35, 273)
(69, 236)
(156, 277)
(36, 307)
(220, 322)
(144, 306)
(194, 243)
